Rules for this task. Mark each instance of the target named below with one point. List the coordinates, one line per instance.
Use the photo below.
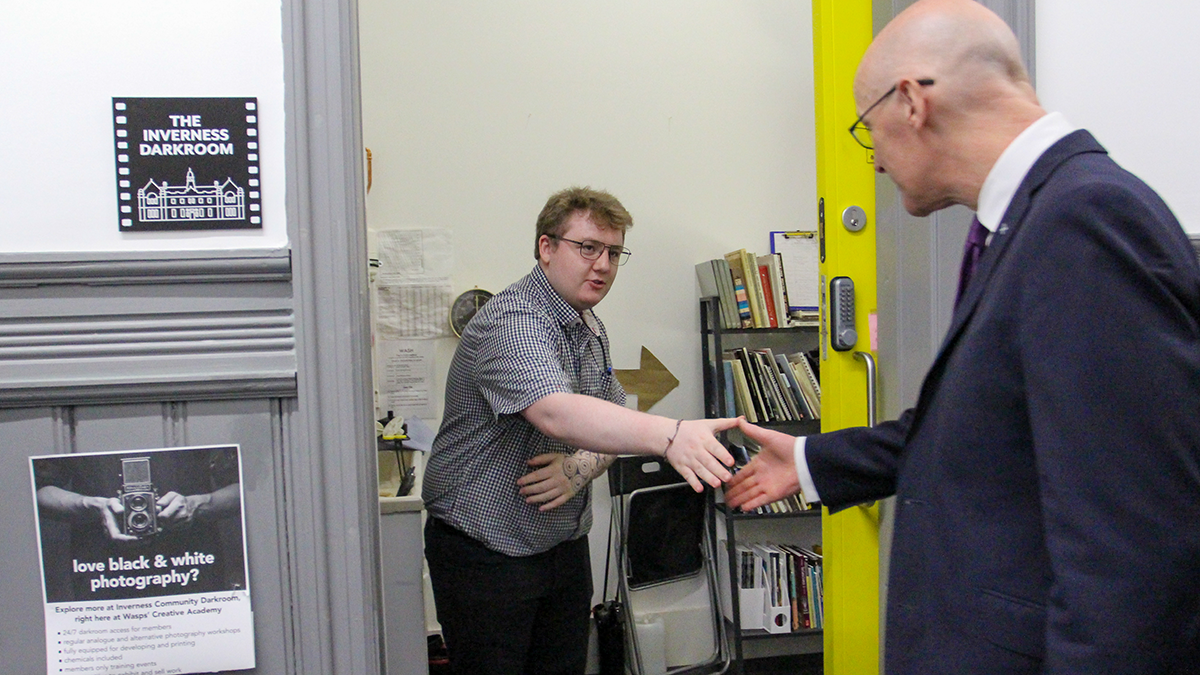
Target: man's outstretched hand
(698, 455)
(770, 476)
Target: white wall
(64, 61)
(698, 116)
(1126, 71)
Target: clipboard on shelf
(801, 273)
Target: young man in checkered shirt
(533, 413)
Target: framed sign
(187, 164)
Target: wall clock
(464, 307)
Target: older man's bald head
(959, 43)
(950, 94)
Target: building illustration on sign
(190, 202)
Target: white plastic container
(652, 644)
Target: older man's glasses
(860, 132)
(591, 249)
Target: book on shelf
(745, 405)
(753, 388)
(802, 405)
(804, 318)
(736, 389)
(750, 264)
(791, 396)
(771, 270)
(715, 281)
(794, 585)
(770, 385)
(805, 571)
(743, 265)
(730, 409)
(728, 294)
(806, 377)
(752, 291)
(764, 278)
(779, 586)
(810, 359)
(745, 318)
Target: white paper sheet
(801, 259)
(405, 377)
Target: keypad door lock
(843, 332)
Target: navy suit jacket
(1047, 481)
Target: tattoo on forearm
(581, 467)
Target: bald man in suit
(1047, 480)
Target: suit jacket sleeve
(859, 464)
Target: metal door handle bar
(870, 361)
(871, 378)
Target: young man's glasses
(591, 249)
(860, 132)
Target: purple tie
(976, 242)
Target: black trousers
(505, 615)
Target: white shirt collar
(1016, 161)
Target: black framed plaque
(187, 163)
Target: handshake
(693, 449)
(770, 476)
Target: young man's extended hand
(697, 454)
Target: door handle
(871, 385)
(871, 396)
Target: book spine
(743, 303)
(781, 299)
(764, 276)
(754, 289)
(729, 309)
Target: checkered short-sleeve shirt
(524, 344)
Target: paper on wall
(419, 255)
(405, 377)
(801, 259)
(412, 284)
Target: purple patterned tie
(976, 242)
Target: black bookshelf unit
(746, 644)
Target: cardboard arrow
(650, 383)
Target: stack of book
(751, 291)
(767, 387)
(793, 504)
(780, 588)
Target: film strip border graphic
(173, 202)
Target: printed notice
(406, 377)
(187, 163)
(144, 561)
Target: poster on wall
(187, 163)
(144, 561)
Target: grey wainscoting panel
(104, 352)
(256, 425)
(23, 432)
(168, 327)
